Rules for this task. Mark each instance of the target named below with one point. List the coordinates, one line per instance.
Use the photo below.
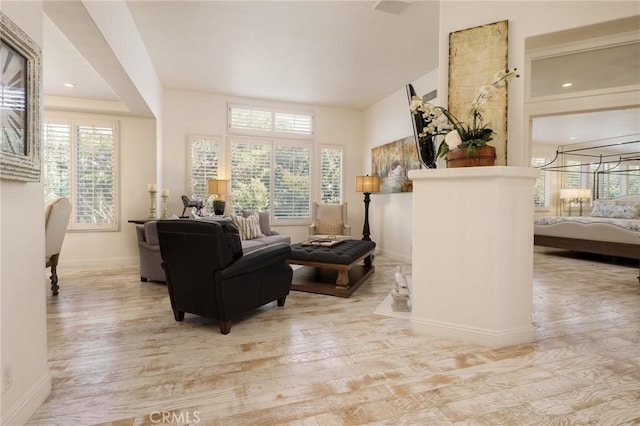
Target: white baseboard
(392, 255)
(475, 335)
(99, 263)
(37, 393)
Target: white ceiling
(332, 53)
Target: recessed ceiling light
(573, 138)
(69, 85)
(567, 84)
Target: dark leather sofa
(208, 274)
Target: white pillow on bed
(619, 209)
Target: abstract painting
(391, 162)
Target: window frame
(272, 132)
(273, 143)
(74, 121)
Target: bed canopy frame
(605, 164)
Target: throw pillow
(324, 228)
(265, 226)
(248, 227)
(616, 209)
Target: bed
(612, 229)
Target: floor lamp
(367, 184)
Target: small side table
(140, 221)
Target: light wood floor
(118, 357)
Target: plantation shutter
(250, 176)
(249, 118)
(56, 164)
(331, 164)
(294, 123)
(95, 158)
(541, 185)
(573, 178)
(269, 121)
(633, 180)
(292, 182)
(204, 163)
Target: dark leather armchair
(208, 275)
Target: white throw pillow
(248, 227)
(616, 209)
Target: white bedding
(628, 224)
(595, 228)
(579, 228)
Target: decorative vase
(426, 147)
(218, 207)
(485, 156)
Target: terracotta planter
(485, 156)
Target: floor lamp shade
(367, 184)
(218, 187)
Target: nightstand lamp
(575, 195)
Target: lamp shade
(575, 194)
(584, 194)
(217, 186)
(367, 184)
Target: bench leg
(368, 261)
(343, 278)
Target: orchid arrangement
(437, 120)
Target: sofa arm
(257, 260)
(140, 233)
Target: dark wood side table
(140, 221)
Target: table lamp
(217, 187)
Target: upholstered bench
(332, 270)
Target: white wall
(526, 19)
(187, 112)
(388, 119)
(390, 215)
(22, 286)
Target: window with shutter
(573, 177)
(332, 170)
(80, 162)
(204, 164)
(249, 119)
(56, 164)
(541, 185)
(292, 182)
(250, 175)
(633, 180)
